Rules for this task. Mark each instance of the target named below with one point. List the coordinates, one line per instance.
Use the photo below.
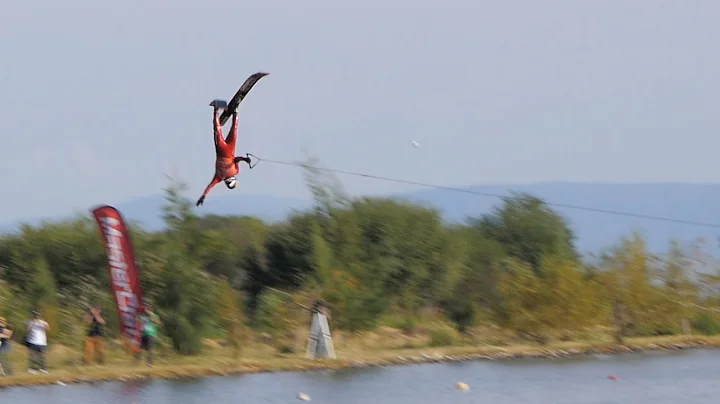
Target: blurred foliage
(375, 261)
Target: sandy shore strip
(372, 359)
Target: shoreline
(406, 357)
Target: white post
(320, 343)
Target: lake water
(658, 378)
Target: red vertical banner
(123, 271)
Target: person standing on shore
(37, 329)
(149, 322)
(94, 345)
(5, 348)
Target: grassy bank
(387, 348)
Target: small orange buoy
(613, 377)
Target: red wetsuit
(227, 166)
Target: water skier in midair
(227, 165)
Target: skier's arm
(212, 183)
(245, 159)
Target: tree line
(371, 260)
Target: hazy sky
(99, 98)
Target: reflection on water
(658, 378)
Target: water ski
(232, 106)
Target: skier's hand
(248, 160)
(200, 201)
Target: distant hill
(689, 202)
(692, 202)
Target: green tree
(232, 318)
(629, 279)
(185, 301)
(479, 282)
(559, 299)
(526, 301)
(13, 308)
(326, 189)
(528, 230)
(42, 295)
(226, 240)
(186, 306)
(575, 300)
(276, 317)
(322, 259)
(357, 301)
(679, 294)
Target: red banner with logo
(123, 272)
